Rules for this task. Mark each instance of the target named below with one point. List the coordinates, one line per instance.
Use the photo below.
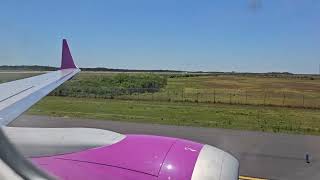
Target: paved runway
(265, 155)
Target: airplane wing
(18, 96)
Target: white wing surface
(18, 96)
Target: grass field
(281, 91)
(289, 91)
(272, 119)
(261, 103)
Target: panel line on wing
(16, 94)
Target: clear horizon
(241, 36)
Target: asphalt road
(267, 155)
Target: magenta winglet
(66, 60)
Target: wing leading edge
(18, 96)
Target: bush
(111, 85)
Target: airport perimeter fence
(221, 96)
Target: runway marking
(250, 178)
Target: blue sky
(207, 35)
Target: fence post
(153, 94)
(182, 94)
(214, 96)
(246, 96)
(264, 98)
(197, 96)
(111, 94)
(303, 100)
(284, 98)
(230, 98)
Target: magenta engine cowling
(180, 160)
(135, 157)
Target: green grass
(271, 119)
(289, 91)
(175, 104)
(237, 89)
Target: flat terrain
(269, 89)
(267, 155)
(235, 101)
(259, 118)
(240, 89)
(301, 91)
